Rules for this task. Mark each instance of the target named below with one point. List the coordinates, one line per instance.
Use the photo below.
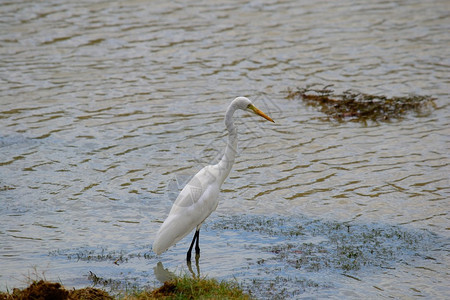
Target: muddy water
(108, 107)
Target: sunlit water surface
(107, 108)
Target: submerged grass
(101, 254)
(314, 245)
(360, 107)
(304, 254)
(286, 257)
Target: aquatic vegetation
(283, 257)
(278, 288)
(360, 107)
(100, 254)
(314, 245)
(311, 250)
(112, 285)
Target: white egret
(199, 198)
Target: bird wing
(197, 200)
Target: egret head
(245, 104)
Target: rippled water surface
(107, 108)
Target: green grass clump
(194, 288)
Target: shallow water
(108, 107)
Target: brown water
(107, 107)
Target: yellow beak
(258, 112)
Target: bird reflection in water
(189, 265)
(164, 275)
(161, 274)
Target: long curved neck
(227, 161)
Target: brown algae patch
(50, 290)
(360, 107)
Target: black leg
(188, 258)
(197, 247)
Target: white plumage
(199, 198)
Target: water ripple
(107, 109)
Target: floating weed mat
(360, 107)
